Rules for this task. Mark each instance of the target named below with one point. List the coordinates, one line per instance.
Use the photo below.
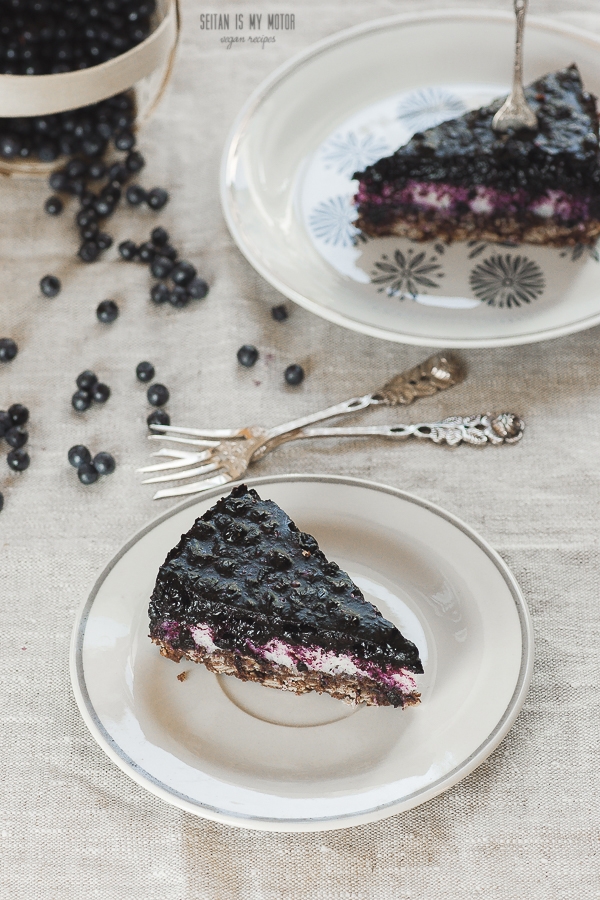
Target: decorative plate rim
(270, 82)
(344, 820)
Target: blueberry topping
(247, 355)
(157, 198)
(168, 251)
(86, 380)
(197, 289)
(161, 267)
(100, 392)
(183, 273)
(104, 463)
(107, 311)
(96, 170)
(144, 371)
(79, 455)
(159, 236)
(16, 436)
(87, 473)
(157, 395)
(81, 400)
(53, 206)
(294, 374)
(18, 460)
(279, 313)
(135, 194)
(160, 293)
(18, 413)
(8, 349)
(159, 417)
(86, 217)
(50, 285)
(128, 250)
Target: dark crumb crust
(249, 573)
(424, 225)
(562, 155)
(350, 689)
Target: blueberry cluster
(8, 349)
(50, 286)
(163, 260)
(88, 469)
(89, 390)
(41, 37)
(86, 131)
(157, 394)
(13, 432)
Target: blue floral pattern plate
(288, 190)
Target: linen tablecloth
(72, 825)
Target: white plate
(253, 756)
(286, 184)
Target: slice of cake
(462, 181)
(246, 593)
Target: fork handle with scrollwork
(504, 428)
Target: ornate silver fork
(230, 451)
(505, 428)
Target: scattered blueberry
(79, 455)
(8, 349)
(157, 395)
(86, 380)
(197, 289)
(135, 194)
(179, 296)
(59, 181)
(183, 273)
(157, 198)
(89, 251)
(169, 251)
(87, 473)
(16, 437)
(50, 285)
(247, 355)
(159, 236)
(161, 267)
(104, 463)
(107, 311)
(89, 232)
(96, 170)
(100, 392)
(81, 401)
(125, 141)
(144, 371)
(135, 162)
(279, 313)
(128, 250)
(160, 293)
(18, 460)
(158, 417)
(53, 206)
(103, 241)
(86, 217)
(18, 413)
(104, 206)
(146, 252)
(294, 375)
(5, 422)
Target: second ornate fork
(505, 428)
(230, 451)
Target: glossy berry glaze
(244, 583)
(463, 172)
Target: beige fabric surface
(72, 825)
